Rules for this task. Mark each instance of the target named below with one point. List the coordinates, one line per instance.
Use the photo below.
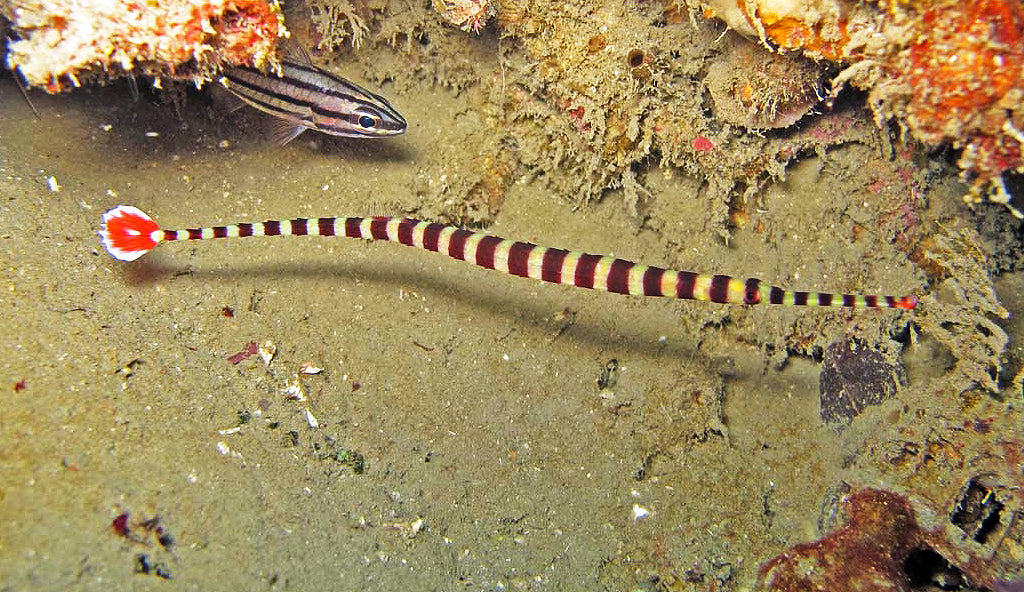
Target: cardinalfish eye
(377, 120)
(367, 121)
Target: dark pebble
(854, 377)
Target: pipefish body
(129, 233)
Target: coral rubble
(897, 542)
(949, 72)
(468, 15)
(867, 553)
(757, 89)
(62, 43)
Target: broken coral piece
(62, 43)
(895, 543)
(867, 553)
(947, 71)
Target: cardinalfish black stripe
(306, 97)
(128, 233)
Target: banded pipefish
(306, 97)
(128, 233)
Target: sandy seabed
(461, 439)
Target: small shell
(294, 390)
(267, 351)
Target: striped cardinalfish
(306, 97)
(128, 233)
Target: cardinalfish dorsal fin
(128, 233)
(307, 97)
(293, 51)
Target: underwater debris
(947, 71)
(468, 15)
(246, 353)
(935, 538)
(347, 458)
(854, 377)
(267, 352)
(63, 43)
(758, 89)
(866, 553)
(143, 533)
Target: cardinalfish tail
(128, 233)
(306, 97)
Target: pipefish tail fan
(305, 97)
(128, 233)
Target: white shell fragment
(267, 351)
(294, 390)
(409, 530)
(311, 420)
(223, 448)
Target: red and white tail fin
(128, 233)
